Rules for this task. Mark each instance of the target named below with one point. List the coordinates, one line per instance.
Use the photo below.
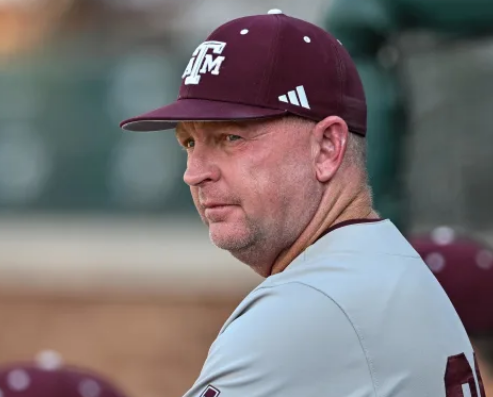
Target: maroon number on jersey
(458, 373)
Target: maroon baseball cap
(264, 66)
(43, 379)
(464, 268)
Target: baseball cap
(464, 267)
(47, 377)
(264, 66)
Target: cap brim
(167, 117)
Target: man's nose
(201, 167)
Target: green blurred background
(67, 81)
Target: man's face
(253, 182)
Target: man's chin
(229, 238)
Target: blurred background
(102, 256)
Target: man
(272, 115)
(48, 377)
(464, 267)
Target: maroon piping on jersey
(346, 223)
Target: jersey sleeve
(290, 341)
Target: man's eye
(189, 143)
(232, 138)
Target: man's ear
(331, 135)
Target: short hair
(356, 150)
(356, 145)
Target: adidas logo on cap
(296, 97)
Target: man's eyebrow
(180, 131)
(183, 130)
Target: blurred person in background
(272, 115)
(47, 376)
(464, 267)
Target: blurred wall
(151, 348)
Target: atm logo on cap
(205, 59)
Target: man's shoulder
(288, 304)
(357, 262)
(342, 277)
(274, 295)
(288, 315)
(370, 287)
(287, 337)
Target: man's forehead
(188, 127)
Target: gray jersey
(358, 314)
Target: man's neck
(341, 203)
(488, 387)
(486, 374)
(360, 208)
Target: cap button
(275, 11)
